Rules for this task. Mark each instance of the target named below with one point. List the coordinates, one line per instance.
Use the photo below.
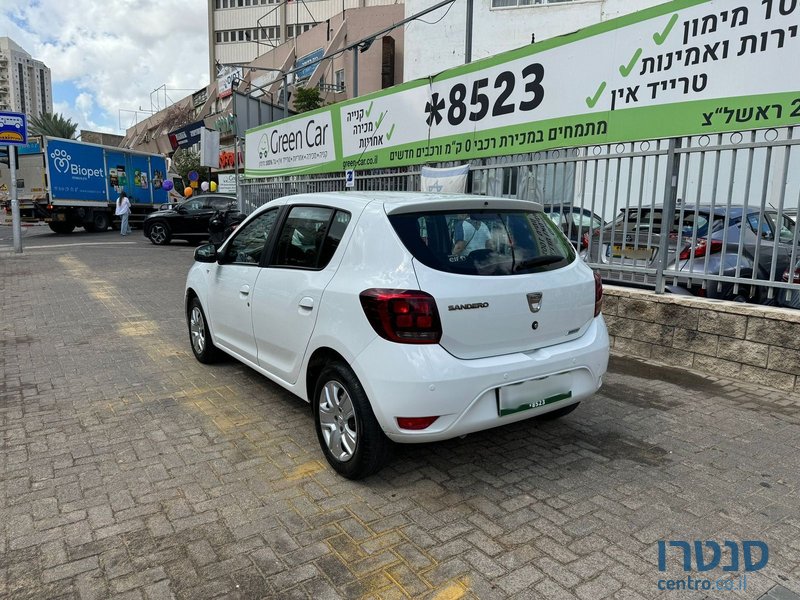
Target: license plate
(531, 394)
(631, 253)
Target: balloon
(187, 192)
(213, 186)
(166, 185)
(204, 186)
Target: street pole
(239, 198)
(16, 223)
(355, 72)
(468, 42)
(285, 95)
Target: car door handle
(244, 290)
(307, 303)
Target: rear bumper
(418, 381)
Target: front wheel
(159, 234)
(348, 432)
(61, 227)
(199, 335)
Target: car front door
(289, 290)
(232, 282)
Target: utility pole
(16, 222)
(468, 41)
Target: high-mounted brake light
(403, 316)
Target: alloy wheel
(337, 421)
(197, 328)
(158, 233)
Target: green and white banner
(682, 68)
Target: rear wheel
(61, 227)
(348, 432)
(159, 233)
(200, 337)
(100, 221)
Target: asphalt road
(130, 470)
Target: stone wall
(751, 343)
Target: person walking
(123, 212)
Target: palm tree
(53, 125)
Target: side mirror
(207, 253)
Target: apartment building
(241, 30)
(25, 84)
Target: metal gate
(714, 215)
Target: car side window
(222, 203)
(193, 204)
(766, 228)
(248, 245)
(301, 240)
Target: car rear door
(289, 289)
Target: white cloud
(114, 52)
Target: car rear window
(484, 243)
(647, 220)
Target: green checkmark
(660, 38)
(591, 101)
(369, 110)
(380, 120)
(390, 132)
(625, 70)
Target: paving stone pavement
(129, 470)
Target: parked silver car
(723, 241)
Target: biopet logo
(747, 556)
(62, 161)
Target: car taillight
(700, 249)
(403, 316)
(795, 277)
(598, 294)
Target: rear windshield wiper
(539, 261)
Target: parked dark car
(188, 220)
(701, 241)
(575, 222)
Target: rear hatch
(505, 278)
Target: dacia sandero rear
(404, 317)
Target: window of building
(241, 33)
(219, 37)
(224, 3)
(339, 75)
(289, 31)
(240, 3)
(224, 36)
(247, 2)
(217, 4)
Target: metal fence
(714, 215)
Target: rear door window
(484, 243)
(309, 237)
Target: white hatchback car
(403, 316)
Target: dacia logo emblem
(535, 301)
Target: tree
(184, 161)
(306, 99)
(53, 125)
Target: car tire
(100, 221)
(61, 227)
(203, 348)
(558, 413)
(159, 233)
(349, 434)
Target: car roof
(400, 202)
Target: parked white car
(403, 316)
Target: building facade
(25, 83)
(241, 30)
(497, 26)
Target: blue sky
(104, 76)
